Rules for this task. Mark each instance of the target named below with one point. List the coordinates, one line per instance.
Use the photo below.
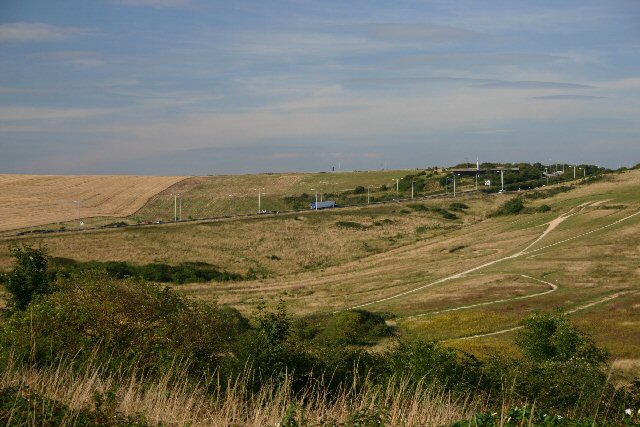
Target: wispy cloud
(421, 32)
(479, 59)
(81, 58)
(568, 97)
(531, 85)
(11, 113)
(14, 90)
(156, 3)
(35, 32)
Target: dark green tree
(29, 275)
(550, 337)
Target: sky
(197, 87)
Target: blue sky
(211, 87)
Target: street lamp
(454, 185)
(547, 175)
(259, 198)
(77, 202)
(316, 205)
(368, 194)
(175, 206)
(412, 182)
(397, 180)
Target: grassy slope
(213, 196)
(323, 267)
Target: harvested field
(34, 200)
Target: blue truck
(324, 205)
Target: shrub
(418, 207)
(352, 225)
(510, 207)
(429, 362)
(551, 337)
(28, 277)
(543, 208)
(359, 190)
(22, 407)
(458, 207)
(163, 273)
(445, 213)
(355, 327)
(128, 323)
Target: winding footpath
(527, 250)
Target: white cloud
(426, 32)
(156, 3)
(9, 113)
(34, 32)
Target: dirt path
(553, 287)
(552, 225)
(575, 310)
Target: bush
(359, 190)
(28, 277)
(510, 207)
(186, 272)
(355, 327)
(128, 323)
(24, 407)
(550, 337)
(458, 207)
(350, 224)
(427, 361)
(445, 213)
(418, 207)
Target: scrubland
(466, 282)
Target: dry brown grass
(32, 200)
(173, 400)
(321, 267)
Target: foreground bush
(131, 323)
(134, 331)
(29, 276)
(187, 272)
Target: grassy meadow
(367, 291)
(386, 258)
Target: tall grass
(175, 400)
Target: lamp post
(454, 185)
(175, 206)
(574, 171)
(397, 180)
(547, 175)
(412, 182)
(77, 202)
(368, 194)
(502, 180)
(259, 190)
(316, 205)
